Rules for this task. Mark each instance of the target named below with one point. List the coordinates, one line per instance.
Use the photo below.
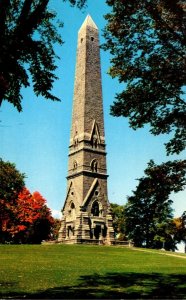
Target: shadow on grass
(116, 286)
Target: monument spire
(87, 80)
(88, 22)
(86, 214)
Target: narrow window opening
(92, 39)
(96, 193)
(75, 165)
(95, 209)
(94, 166)
(81, 40)
(72, 206)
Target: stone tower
(86, 215)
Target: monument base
(87, 230)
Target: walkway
(162, 252)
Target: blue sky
(37, 139)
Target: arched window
(72, 210)
(95, 209)
(72, 206)
(94, 166)
(75, 165)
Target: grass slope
(87, 272)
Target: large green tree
(147, 40)
(11, 184)
(148, 211)
(28, 32)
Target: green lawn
(87, 272)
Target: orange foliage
(27, 209)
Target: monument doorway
(97, 232)
(70, 231)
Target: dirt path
(162, 253)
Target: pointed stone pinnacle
(88, 22)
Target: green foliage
(118, 220)
(11, 181)
(148, 212)
(11, 184)
(89, 272)
(28, 32)
(79, 3)
(55, 228)
(178, 229)
(147, 42)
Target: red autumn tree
(24, 217)
(29, 219)
(33, 218)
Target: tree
(148, 211)
(24, 217)
(118, 220)
(11, 184)
(43, 226)
(55, 228)
(31, 220)
(179, 229)
(147, 42)
(28, 31)
(34, 214)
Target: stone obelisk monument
(86, 213)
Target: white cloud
(56, 213)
